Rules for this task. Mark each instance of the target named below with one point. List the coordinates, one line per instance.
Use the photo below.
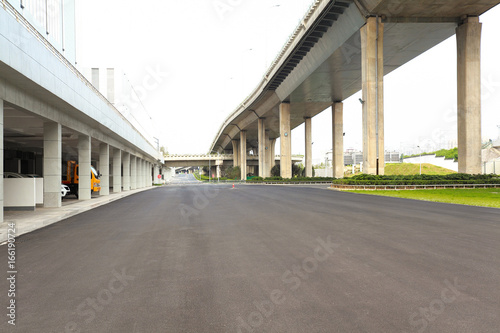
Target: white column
(156, 174)
(338, 140)
(104, 168)
(84, 159)
(243, 155)
(286, 141)
(126, 171)
(268, 155)
(308, 137)
(52, 164)
(133, 172)
(469, 96)
(262, 146)
(117, 170)
(372, 72)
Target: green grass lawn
(473, 197)
(414, 169)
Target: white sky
(207, 60)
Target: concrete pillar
(308, 159)
(262, 146)
(133, 172)
(1, 161)
(141, 173)
(372, 72)
(338, 140)
(150, 174)
(126, 171)
(52, 164)
(104, 168)
(84, 173)
(236, 152)
(117, 170)
(286, 141)
(268, 154)
(469, 96)
(156, 173)
(243, 154)
(272, 148)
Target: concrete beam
(372, 72)
(262, 147)
(52, 164)
(104, 168)
(84, 160)
(117, 170)
(308, 148)
(338, 140)
(243, 154)
(469, 96)
(286, 141)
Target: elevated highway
(342, 47)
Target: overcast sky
(194, 61)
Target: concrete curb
(41, 218)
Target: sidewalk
(27, 221)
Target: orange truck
(72, 178)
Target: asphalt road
(260, 259)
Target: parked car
(64, 190)
(13, 175)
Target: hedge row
(295, 179)
(416, 182)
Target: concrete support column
(268, 155)
(308, 166)
(262, 146)
(243, 154)
(52, 164)
(469, 96)
(133, 172)
(236, 153)
(156, 180)
(84, 172)
(126, 171)
(1, 161)
(272, 148)
(150, 174)
(338, 140)
(117, 170)
(372, 72)
(286, 141)
(104, 168)
(141, 173)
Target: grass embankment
(396, 169)
(472, 197)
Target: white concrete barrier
(19, 193)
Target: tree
(164, 150)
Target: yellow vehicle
(72, 178)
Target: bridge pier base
(286, 141)
(469, 96)
(372, 72)
(338, 140)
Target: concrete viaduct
(342, 47)
(50, 111)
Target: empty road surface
(260, 259)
